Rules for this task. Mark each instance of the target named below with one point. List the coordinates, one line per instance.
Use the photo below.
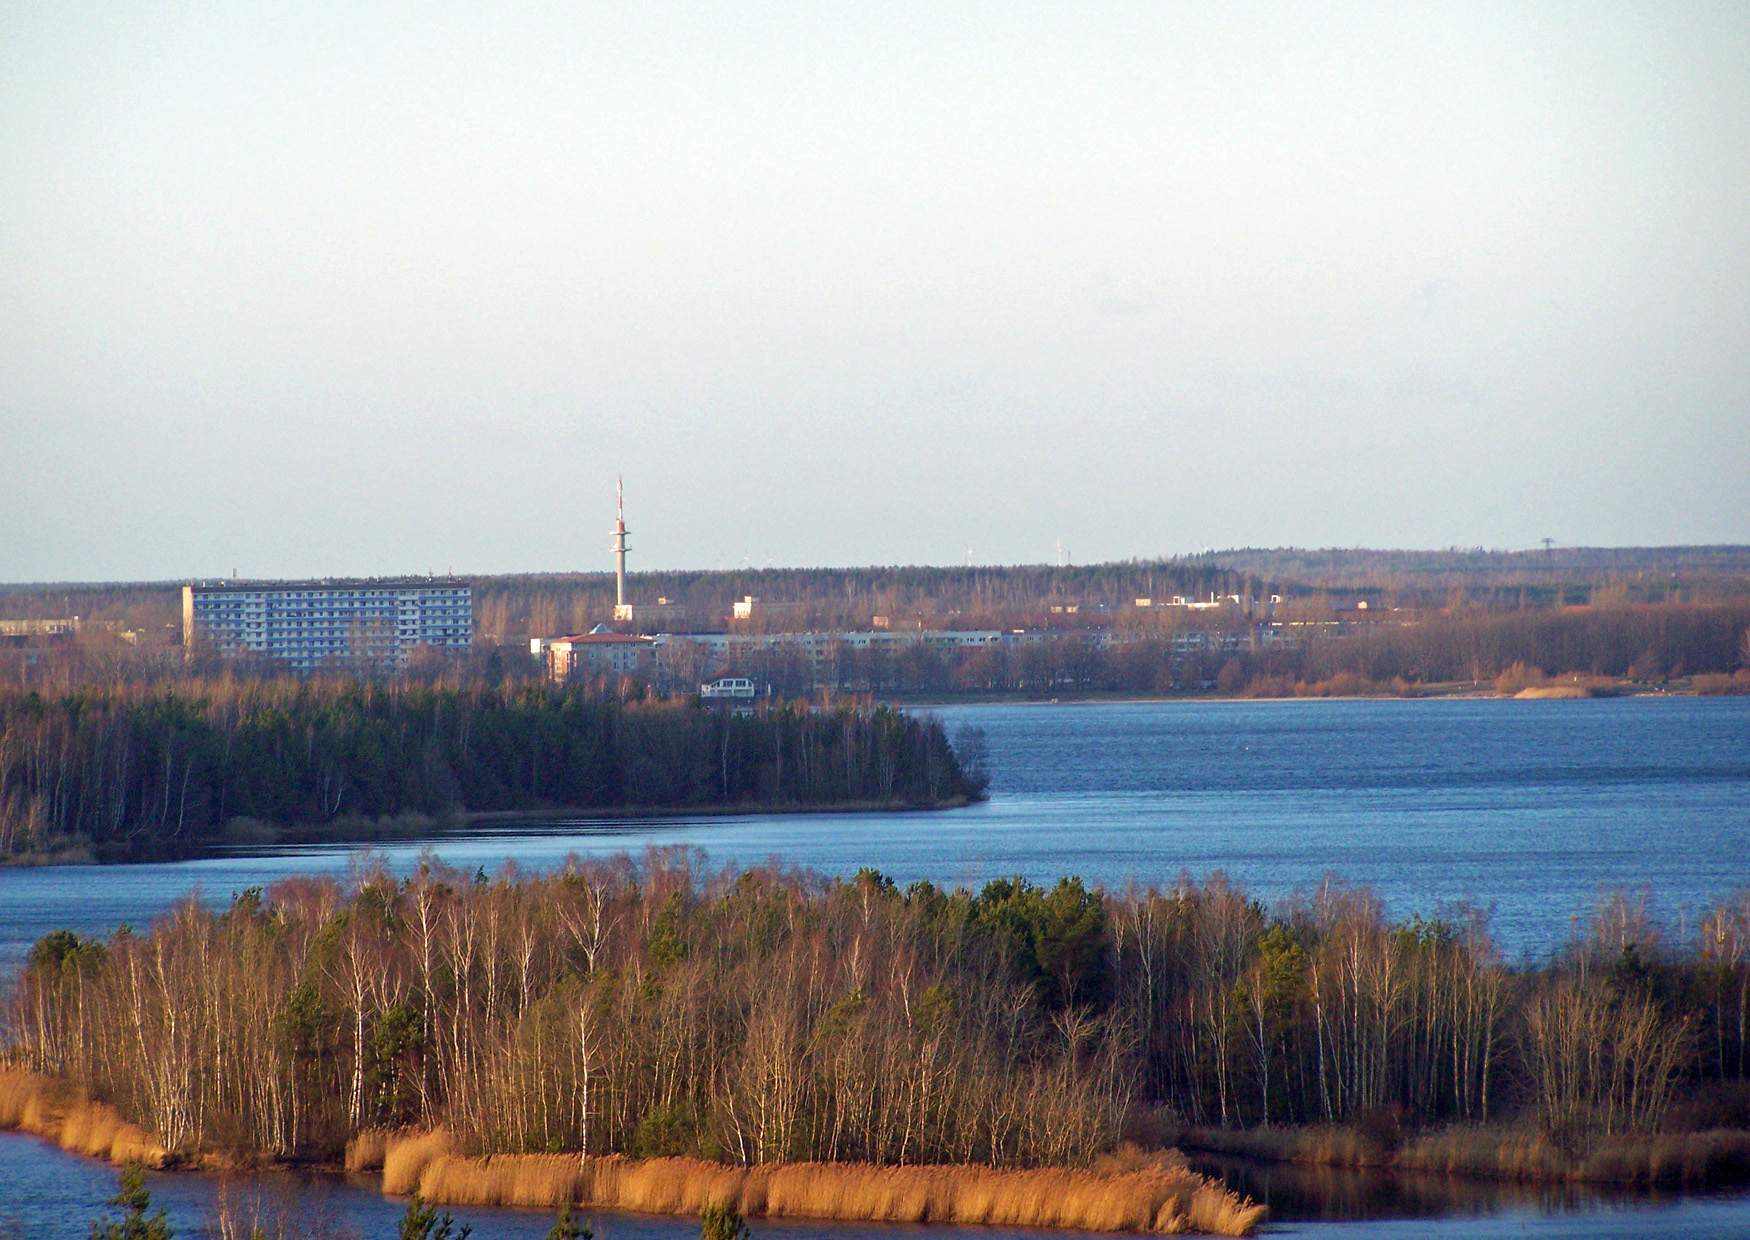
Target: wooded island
(144, 769)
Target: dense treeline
(1312, 648)
(763, 1017)
(156, 766)
(1648, 643)
(511, 607)
(1642, 643)
(1645, 642)
(1540, 576)
(1315, 642)
(831, 598)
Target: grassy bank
(1127, 1192)
(1692, 1160)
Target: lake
(49, 1195)
(1529, 809)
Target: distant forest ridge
(509, 607)
(1366, 566)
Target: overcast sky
(290, 289)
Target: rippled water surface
(1527, 808)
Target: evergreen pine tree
(133, 1201)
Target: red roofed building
(600, 652)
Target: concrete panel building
(312, 624)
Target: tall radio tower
(619, 543)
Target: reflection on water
(1298, 1192)
(1322, 1201)
(49, 1194)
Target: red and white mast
(619, 542)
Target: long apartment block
(313, 624)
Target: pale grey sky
(299, 288)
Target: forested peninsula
(132, 770)
(653, 1034)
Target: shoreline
(1433, 693)
(57, 1111)
(1127, 1191)
(245, 837)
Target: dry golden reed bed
(1132, 1193)
(49, 1109)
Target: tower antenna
(619, 544)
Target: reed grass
(19, 1090)
(407, 1154)
(365, 1150)
(1141, 1194)
(36, 1104)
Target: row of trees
(1541, 577)
(1145, 652)
(151, 766)
(509, 608)
(1644, 643)
(764, 1016)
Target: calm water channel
(1527, 808)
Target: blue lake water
(48, 1195)
(1527, 808)
(1530, 808)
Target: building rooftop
(603, 639)
(334, 583)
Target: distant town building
(728, 689)
(1213, 602)
(64, 626)
(651, 617)
(749, 607)
(312, 624)
(600, 652)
